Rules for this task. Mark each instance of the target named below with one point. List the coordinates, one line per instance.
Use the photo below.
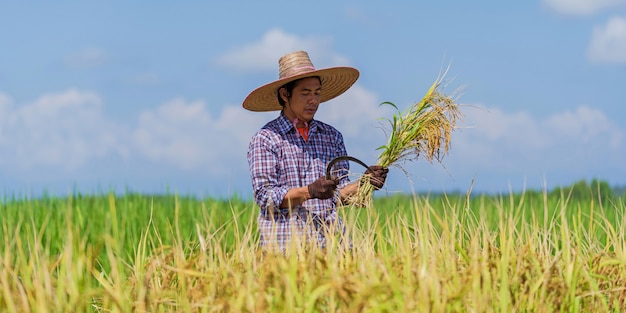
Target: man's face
(304, 100)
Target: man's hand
(323, 188)
(376, 176)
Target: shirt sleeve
(263, 159)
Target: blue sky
(146, 96)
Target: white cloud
(62, 130)
(264, 54)
(86, 58)
(68, 130)
(518, 128)
(242, 124)
(176, 132)
(518, 141)
(608, 43)
(585, 125)
(185, 135)
(581, 7)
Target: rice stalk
(422, 130)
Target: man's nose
(314, 99)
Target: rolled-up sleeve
(262, 159)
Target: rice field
(538, 251)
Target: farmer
(289, 155)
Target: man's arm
(295, 196)
(322, 188)
(346, 193)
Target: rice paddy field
(561, 250)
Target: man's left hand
(377, 175)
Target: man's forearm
(348, 191)
(295, 196)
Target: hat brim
(335, 81)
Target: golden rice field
(530, 252)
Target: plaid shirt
(280, 159)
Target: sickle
(344, 158)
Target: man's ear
(283, 94)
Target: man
(289, 155)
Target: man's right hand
(323, 188)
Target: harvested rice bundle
(424, 129)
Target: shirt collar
(285, 125)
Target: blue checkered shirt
(280, 159)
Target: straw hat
(296, 65)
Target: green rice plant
(426, 253)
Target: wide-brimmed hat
(296, 65)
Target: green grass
(530, 252)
